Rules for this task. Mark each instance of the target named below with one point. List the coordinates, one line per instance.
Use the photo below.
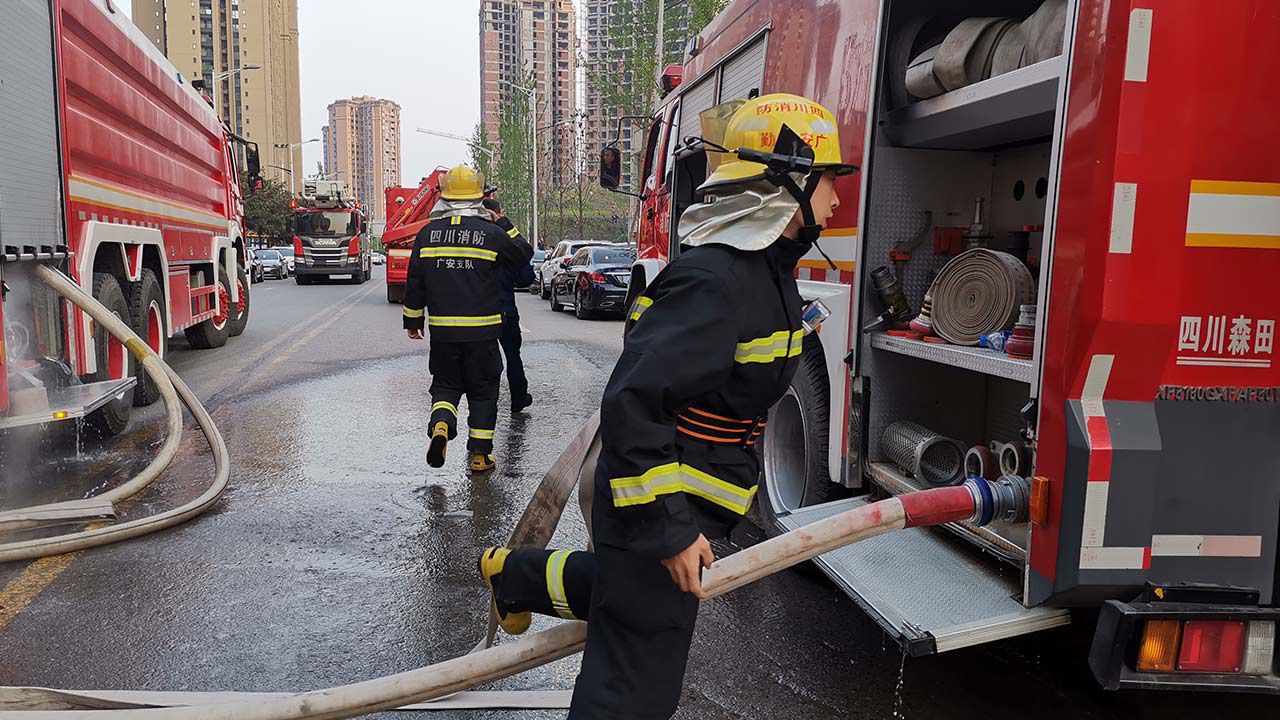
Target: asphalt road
(337, 555)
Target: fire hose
(172, 391)
(977, 501)
(978, 292)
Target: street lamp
(234, 71)
(466, 140)
(293, 189)
(532, 94)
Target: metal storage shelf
(1001, 539)
(1009, 108)
(983, 360)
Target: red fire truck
(1135, 164)
(408, 210)
(113, 167)
(330, 234)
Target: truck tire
(113, 359)
(240, 314)
(395, 293)
(302, 279)
(213, 333)
(146, 306)
(795, 443)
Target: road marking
(321, 327)
(33, 580)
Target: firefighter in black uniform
(452, 288)
(713, 344)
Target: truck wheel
(302, 279)
(213, 333)
(114, 360)
(240, 313)
(395, 293)
(146, 307)
(794, 443)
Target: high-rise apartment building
(537, 39)
(613, 30)
(362, 149)
(246, 54)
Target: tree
(512, 168)
(266, 210)
(481, 150)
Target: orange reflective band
(713, 416)
(708, 438)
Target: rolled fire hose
(976, 501)
(979, 291)
(172, 388)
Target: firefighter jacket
(713, 343)
(452, 285)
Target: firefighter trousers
(639, 630)
(511, 340)
(473, 369)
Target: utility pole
(657, 52)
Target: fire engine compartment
(994, 140)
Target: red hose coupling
(977, 501)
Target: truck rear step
(70, 403)
(928, 590)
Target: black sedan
(593, 280)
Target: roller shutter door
(30, 178)
(701, 97)
(743, 73)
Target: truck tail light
(1260, 648)
(353, 248)
(1159, 646)
(1211, 646)
(297, 246)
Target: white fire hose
(172, 390)
(975, 501)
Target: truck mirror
(252, 163)
(610, 168)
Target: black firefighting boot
(518, 404)
(439, 441)
(491, 563)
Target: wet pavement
(337, 555)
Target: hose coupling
(1007, 499)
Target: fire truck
(408, 210)
(330, 234)
(1122, 155)
(115, 169)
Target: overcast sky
(424, 54)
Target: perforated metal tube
(930, 457)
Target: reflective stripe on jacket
(453, 287)
(712, 344)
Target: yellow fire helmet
(756, 126)
(462, 183)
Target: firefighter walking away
(452, 289)
(712, 344)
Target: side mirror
(252, 163)
(610, 168)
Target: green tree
(266, 210)
(481, 150)
(512, 168)
(702, 12)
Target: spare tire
(793, 448)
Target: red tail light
(1211, 646)
(354, 247)
(597, 278)
(297, 246)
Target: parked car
(379, 258)
(255, 268)
(287, 253)
(273, 263)
(535, 262)
(555, 262)
(594, 281)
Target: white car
(379, 259)
(555, 263)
